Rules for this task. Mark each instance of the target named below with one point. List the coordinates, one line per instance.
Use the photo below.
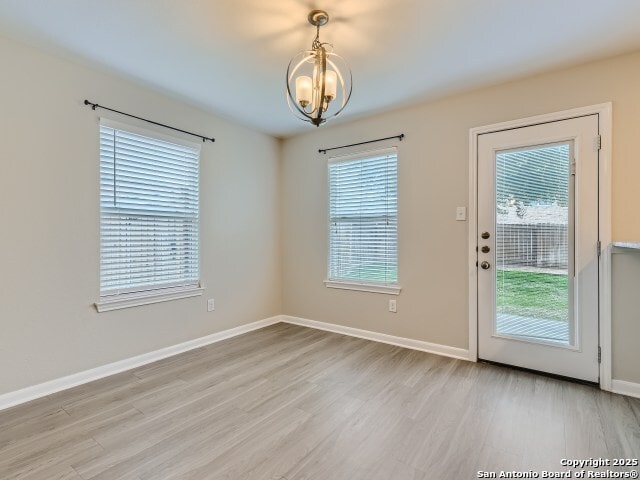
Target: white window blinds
(363, 218)
(148, 212)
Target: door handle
(485, 265)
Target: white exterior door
(538, 247)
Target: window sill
(364, 287)
(137, 299)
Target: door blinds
(148, 213)
(363, 217)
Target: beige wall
(50, 223)
(433, 180)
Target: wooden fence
(539, 245)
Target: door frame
(604, 112)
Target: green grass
(538, 295)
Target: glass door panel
(534, 244)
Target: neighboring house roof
(533, 215)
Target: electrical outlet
(392, 306)
(211, 306)
(461, 214)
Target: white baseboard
(625, 388)
(47, 388)
(438, 349)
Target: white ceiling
(230, 56)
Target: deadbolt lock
(485, 249)
(485, 235)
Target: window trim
(127, 299)
(390, 289)
(148, 132)
(136, 299)
(355, 285)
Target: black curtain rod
(95, 105)
(325, 150)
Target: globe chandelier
(319, 81)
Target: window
(149, 196)
(363, 222)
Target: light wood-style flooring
(290, 403)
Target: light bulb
(330, 84)
(303, 90)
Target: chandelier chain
(316, 41)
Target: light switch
(461, 214)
